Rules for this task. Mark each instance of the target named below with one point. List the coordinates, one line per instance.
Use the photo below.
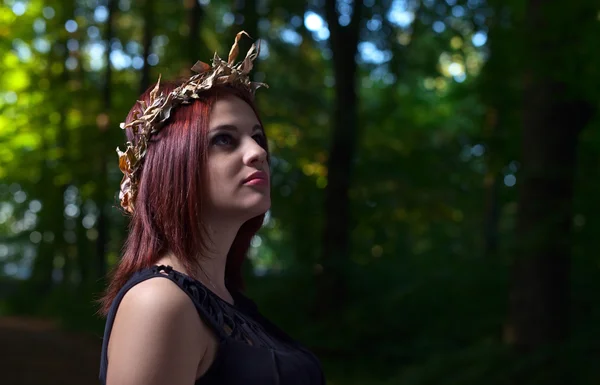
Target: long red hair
(168, 206)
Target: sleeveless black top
(251, 349)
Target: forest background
(436, 174)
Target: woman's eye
(222, 140)
(260, 139)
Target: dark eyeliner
(215, 139)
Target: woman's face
(238, 172)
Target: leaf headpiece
(157, 111)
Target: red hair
(168, 205)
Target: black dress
(251, 349)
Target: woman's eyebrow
(232, 127)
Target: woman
(196, 182)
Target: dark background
(435, 179)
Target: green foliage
(440, 117)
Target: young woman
(196, 183)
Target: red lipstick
(257, 178)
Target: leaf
(200, 67)
(16, 80)
(235, 48)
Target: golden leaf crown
(156, 113)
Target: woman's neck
(212, 262)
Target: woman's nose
(254, 153)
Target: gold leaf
(235, 47)
(200, 67)
(154, 92)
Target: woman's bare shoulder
(159, 295)
(157, 336)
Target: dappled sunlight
(401, 173)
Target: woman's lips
(257, 178)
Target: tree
(148, 34)
(554, 114)
(104, 122)
(345, 132)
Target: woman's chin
(259, 207)
(262, 207)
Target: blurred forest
(436, 175)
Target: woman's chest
(241, 364)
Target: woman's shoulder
(156, 327)
(161, 298)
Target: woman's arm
(157, 337)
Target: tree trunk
(194, 16)
(496, 85)
(148, 13)
(102, 187)
(552, 121)
(491, 182)
(335, 247)
(52, 214)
